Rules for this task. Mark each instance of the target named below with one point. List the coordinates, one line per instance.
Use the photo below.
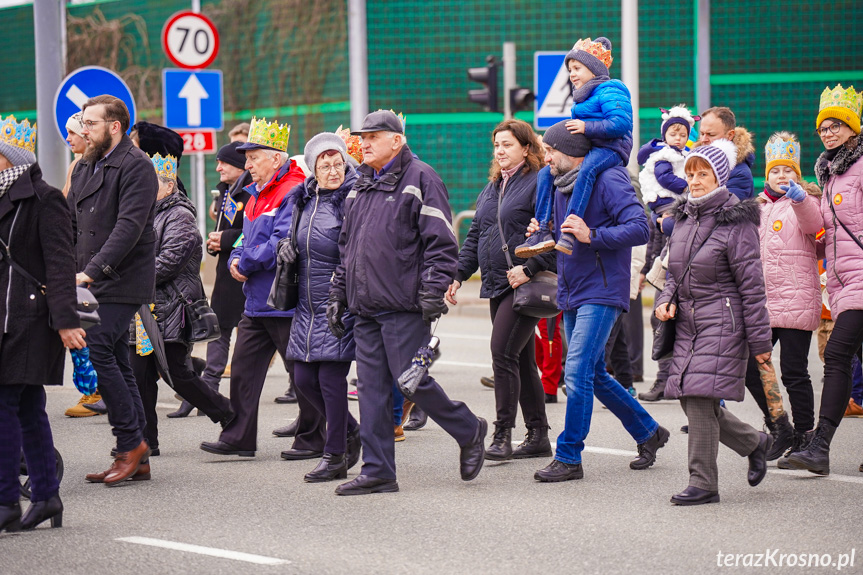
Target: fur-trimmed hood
(729, 210)
(742, 141)
(837, 161)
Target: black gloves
(335, 312)
(433, 306)
(287, 253)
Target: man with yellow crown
(37, 276)
(263, 331)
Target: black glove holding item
(287, 254)
(335, 313)
(433, 306)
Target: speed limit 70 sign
(190, 40)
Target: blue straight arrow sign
(192, 99)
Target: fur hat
(156, 139)
(594, 54)
(721, 155)
(678, 114)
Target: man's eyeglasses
(326, 168)
(89, 124)
(831, 129)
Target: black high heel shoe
(10, 518)
(42, 511)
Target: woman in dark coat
(178, 265)
(322, 360)
(512, 186)
(36, 233)
(720, 308)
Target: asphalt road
(210, 514)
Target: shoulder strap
(844, 227)
(7, 255)
(504, 245)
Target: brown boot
(143, 474)
(407, 408)
(79, 410)
(126, 463)
(399, 433)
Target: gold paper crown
(844, 105)
(782, 152)
(596, 49)
(352, 143)
(273, 135)
(166, 167)
(21, 135)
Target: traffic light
(520, 99)
(487, 76)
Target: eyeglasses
(832, 129)
(326, 168)
(89, 124)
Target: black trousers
(109, 353)
(24, 424)
(324, 384)
(513, 356)
(386, 344)
(794, 364)
(844, 342)
(217, 358)
(633, 326)
(258, 338)
(617, 352)
(186, 383)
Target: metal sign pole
(49, 23)
(509, 78)
(198, 176)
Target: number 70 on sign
(190, 40)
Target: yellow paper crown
(21, 135)
(166, 167)
(596, 49)
(273, 135)
(782, 152)
(352, 143)
(841, 104)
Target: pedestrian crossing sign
(552, 88)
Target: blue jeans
(596, 161)
(587, 330)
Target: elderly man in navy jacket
(398, 256)
(593, 290)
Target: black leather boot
(783, 436)
(43, 511)
(501, 444)
(535, 444)
(816, 457)
(801, 442)
(184, 410)
(10, 517)
(332, 466)
(656, 392)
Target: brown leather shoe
(126, 463)
(853, 410)
(399, 433)
(407, 408)
(143, 474)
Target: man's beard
(96, 150)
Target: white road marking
(211, 551)
(445, 336)
(168, 405)
(463, 364)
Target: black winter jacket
(35, 224)
(112, 215)
(397, 239)
(228, 300)
(483, 247)
(178, 263)
(318, 217)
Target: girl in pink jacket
(790, 220)
(840, 174)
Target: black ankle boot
(783, 436)
(184, 410)
(10, 517)
(42, 511)
(332, 466)
(656, 392)
(801, 442)
(816, 456)
(501, 444)
(535, 444)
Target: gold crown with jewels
(841, 104)
(19, 134)
(596, 49)
(782, 152)
(272, 135)
(166, 166)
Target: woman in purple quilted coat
(715, 292)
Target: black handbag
(200, 322)
(538, 297)
(665, 333)
(86, 305)
(285, 291)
